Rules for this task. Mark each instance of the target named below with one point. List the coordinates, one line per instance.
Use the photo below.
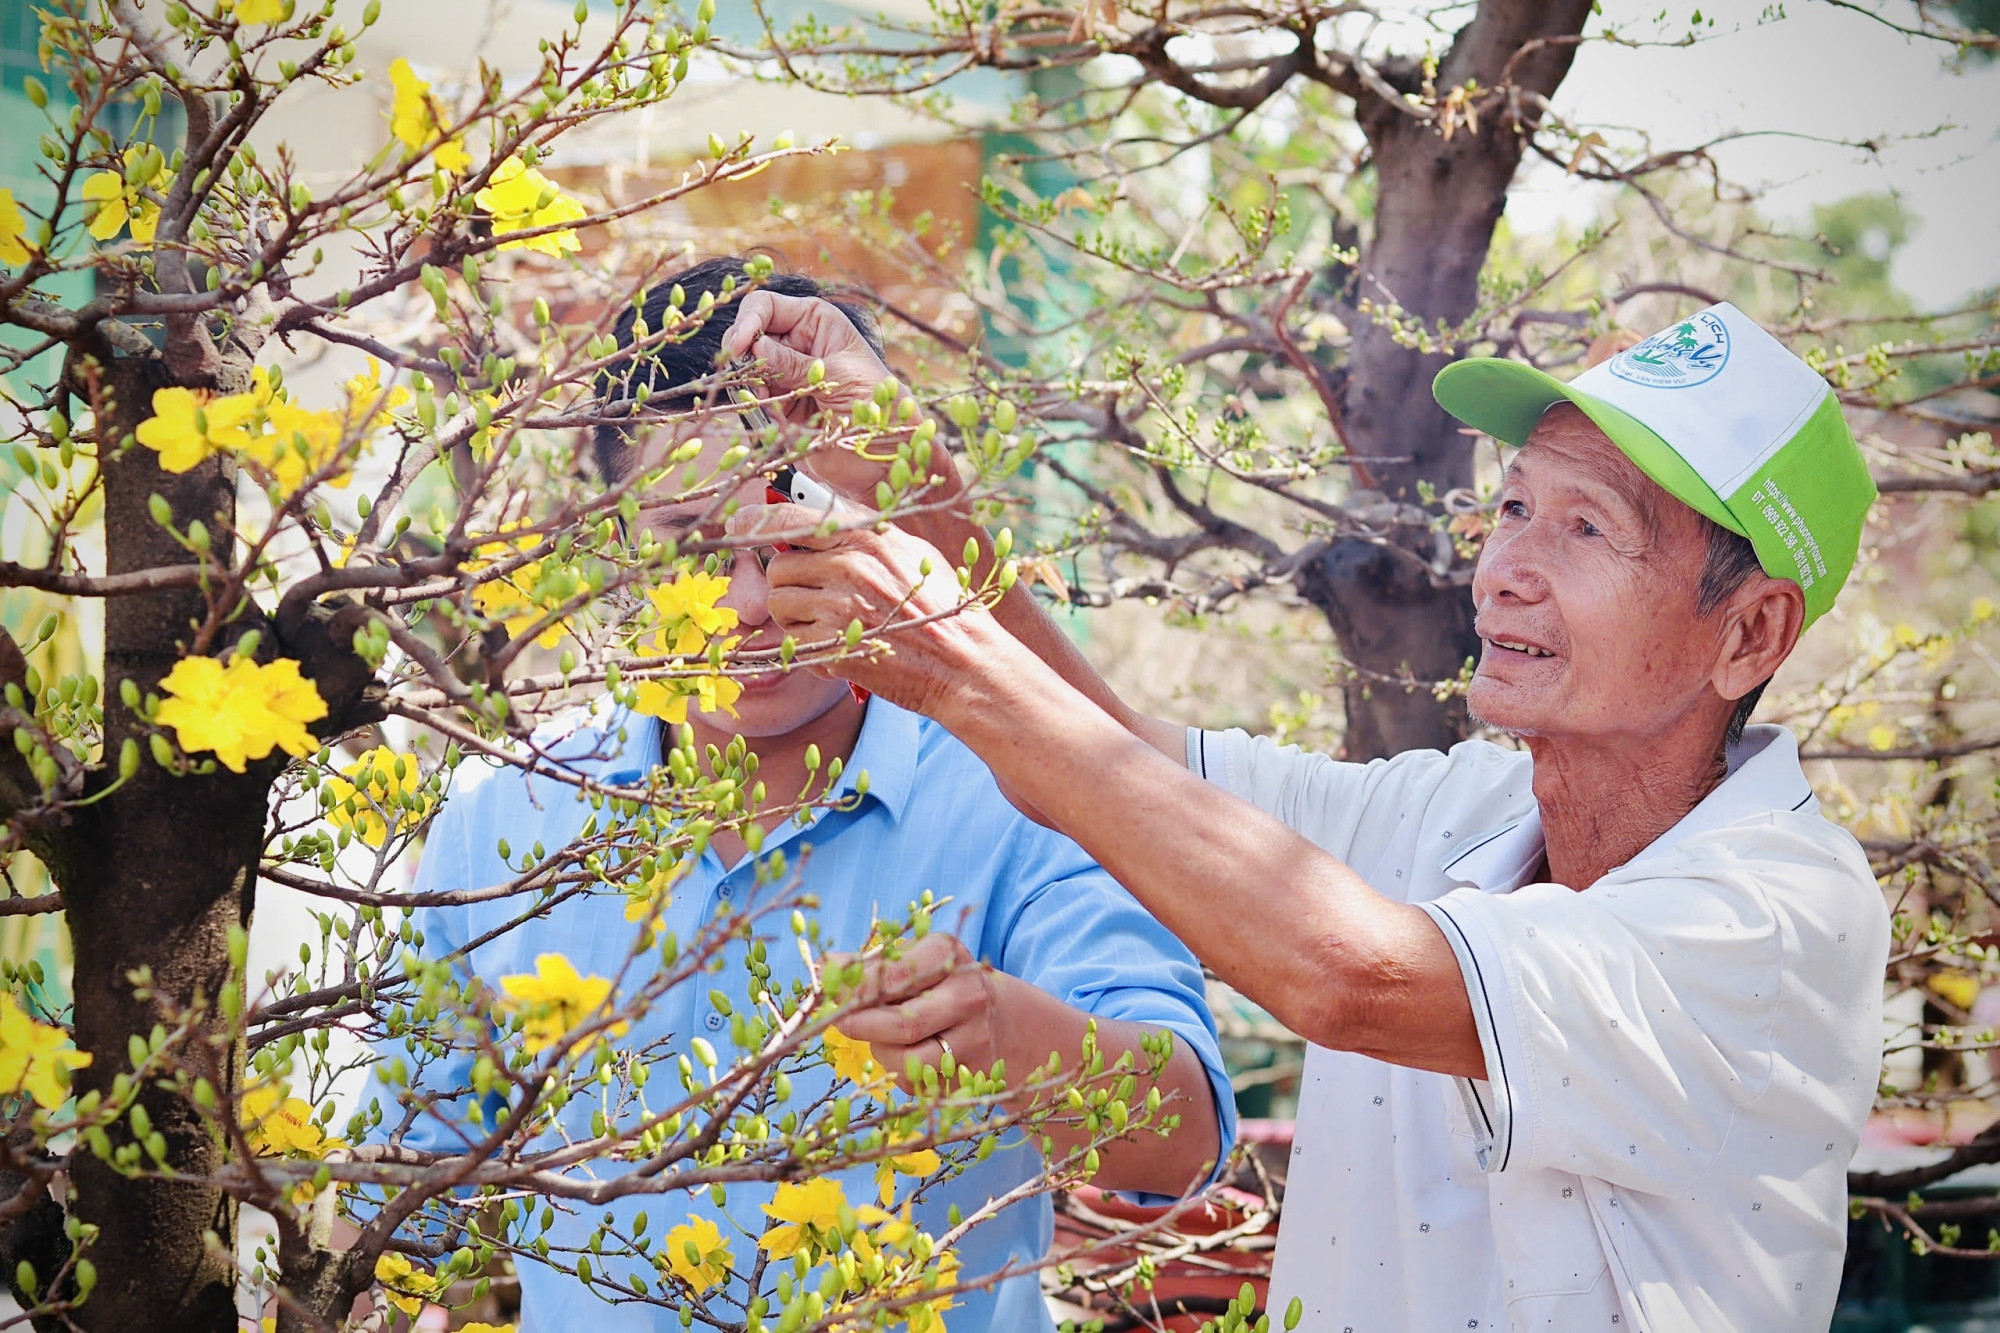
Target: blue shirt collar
(886, 750)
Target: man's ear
(1765, 618)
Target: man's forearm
(1274, 916)
(1023, 617)
(1040, 1025)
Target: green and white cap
(1725, 418)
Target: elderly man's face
(1586, 593)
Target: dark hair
(1730, 562)
(672, 363)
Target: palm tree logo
(1691, 352)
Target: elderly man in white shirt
(1595, 1020)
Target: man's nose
(749, 592)
(1513, 565)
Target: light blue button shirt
(1024, 899)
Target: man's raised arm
(789, 333)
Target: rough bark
(155, 877)
(1437, 203)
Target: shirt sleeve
(1350, 811)
(1075, 933)
(1624, 1025)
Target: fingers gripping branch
(833, 588)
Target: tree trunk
(155, 877)
(1438, 200)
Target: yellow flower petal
(406, 1286)
(260, 11)
(711, 1261)
(242, 711)
(1961, 988)
(520, 198)
(554, 1000)
(854, 1061)
(413, 120)
(32, 1057)
(802, 1210)
(13, 231)
(104, 204)
(380, 780)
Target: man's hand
(789, 333)
(828, 581)
(935, 998)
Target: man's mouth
(1520, 646)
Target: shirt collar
(1764, 777)
(886, 750)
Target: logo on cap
(1692, 352)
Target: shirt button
(727, 891)
(713, 1022)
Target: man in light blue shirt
(1048, 941)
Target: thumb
(793, 524)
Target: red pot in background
(1190, 1288)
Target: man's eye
(1513, 509)
(1587, 528)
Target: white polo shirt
(1679, 1058)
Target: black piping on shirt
(1464, 852)
(1507, 1151)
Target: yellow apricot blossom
(668, 699)
(414, 119)
(188, 426)
(807, 1215)
(281, 1125)
(110, 205)
(297, 444)
(406, 1286)
(910, 1268)
(259, 11)
(553, 1001)
(652, 893)
(522, 596)
(241, 711)
(369, 405)
(854, 1061)
(521, 198)
(684, 615)
(929, 1317)
(380, 780)
(13, 231)
(691, 600)
(696, 1253)
(921, 1163)
(1961, 988)
(477, 1327)
(33, 1058)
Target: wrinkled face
(777, 702)
(1586, 593)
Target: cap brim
(1505, 399)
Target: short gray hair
(1730, 562)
